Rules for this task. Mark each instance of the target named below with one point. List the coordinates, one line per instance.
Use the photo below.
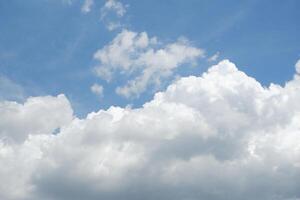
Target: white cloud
(86, 7)
(38, 115)
(69, 2)
(218, 136)
(145, 58)
(111, 14)
(10, 90)
(97, 89)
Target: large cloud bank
(215, 137)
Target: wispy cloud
(214, 57)
(97, 89)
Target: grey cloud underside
(215, 137)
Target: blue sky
(151, 100)
(47, 46)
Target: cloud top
(218, 136)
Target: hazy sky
(136, 99)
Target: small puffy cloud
(146, 60)
(97, 89)
(87, 5)
(111, 14)
(221, 135)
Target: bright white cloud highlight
(143, 59)
(217, 136)
(38, 115)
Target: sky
(47, 46)
(136, 99)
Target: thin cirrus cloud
(221, 135)
(143, 59)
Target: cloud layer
(217, 136)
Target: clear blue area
(47, 46)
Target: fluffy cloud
(115, 6)
(111, 14)
(298, 66)
(145, 60)
(38, 115)
(217, 136)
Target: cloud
(97, 89)
(218, 136)
(10, 90)
(86, 7)
(111, 14)
(214, 57)
(114, 6)
(145, 59)
(38, 115)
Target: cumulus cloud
(87, 5)
(143, 59)
(111, 14)
(97, 89)
(221, 135)
(38, 115)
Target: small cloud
(97, 89)
(111, 14)
(214, 57)
(87, 5)
(113, 26)
(113, 6)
